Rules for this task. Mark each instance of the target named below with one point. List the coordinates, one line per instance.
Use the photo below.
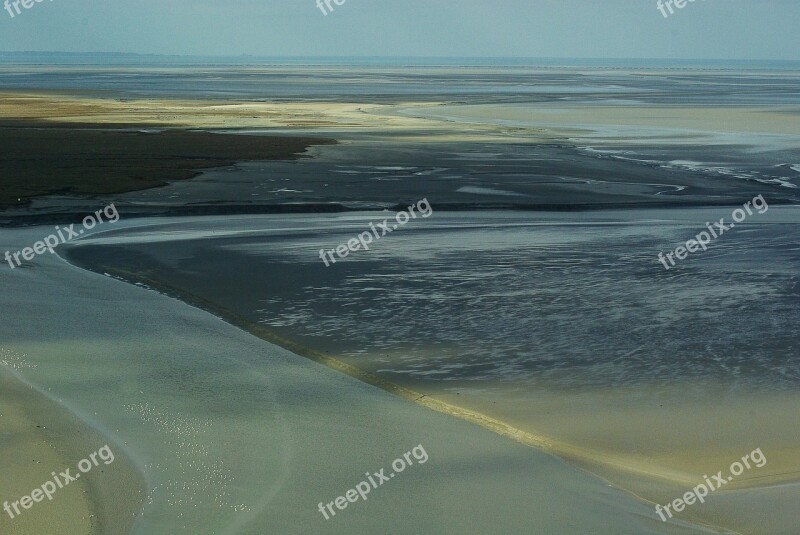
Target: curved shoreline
(69, 437)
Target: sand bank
(326, 118)
(65, 109)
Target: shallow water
(559, 300)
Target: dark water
(555, 300)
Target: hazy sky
(713, 29)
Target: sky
(702, 29)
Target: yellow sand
(199, 114)
(658, 443)
(23, 473)
(376, 119)
(37, 438)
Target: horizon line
(260, 56)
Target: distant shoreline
(54, 58)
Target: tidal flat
(525, 333)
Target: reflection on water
(564, 304)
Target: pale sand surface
(27, 456)
(235, 435)
(346, 118)
(203, 114)
(37, 437)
